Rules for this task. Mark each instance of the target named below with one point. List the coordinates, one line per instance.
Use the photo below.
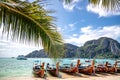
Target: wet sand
(79, 76)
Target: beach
(101, 76)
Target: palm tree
(30, 23)
(109, 5)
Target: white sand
(65, 76)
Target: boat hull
(111, 70)
(21, 58)
(53, 72)
(39, 73)
(118, 70)
(87, 70)
(100, 69)
(70, 70)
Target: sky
(77, 22)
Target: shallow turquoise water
(10, 67)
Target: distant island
(101, 48)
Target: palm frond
(30, 23)
(66, 1)
(110, 5)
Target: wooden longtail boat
(106, 68)
(118, 66)
(85, 69)
(101, 68)
(111, 68)
(54, 70)
(68, 68)
(38, 70)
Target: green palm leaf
(110, 5)
(30, 23)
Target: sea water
(11, 67)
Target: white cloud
(72, 25)
(71, 5)
(75, 35)
(60, 29)
(67, 28)
(102, 12)
(79, 8)
(9, 48)
(88, 33)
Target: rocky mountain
(37, 54)
(101, 48)
(70, 50)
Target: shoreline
(79, 76)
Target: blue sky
(77, 22)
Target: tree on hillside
(30, 23)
